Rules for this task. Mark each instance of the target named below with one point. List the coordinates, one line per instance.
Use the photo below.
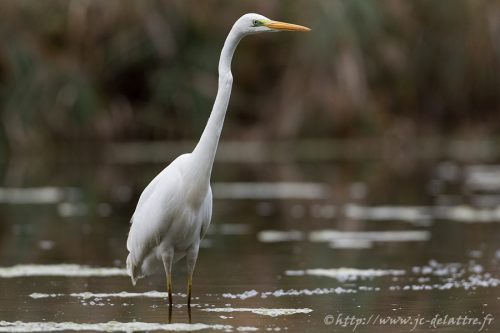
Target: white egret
(174, 211)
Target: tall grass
(88, 70)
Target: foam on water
(433, 276)
(112, 326)
(163, 295)
(247, 329)
(42, 295)
(471, 282)
(68, 270)
(290, 292)
(307, 292)
(346, 274)
(261, 311)
(244, 295)
(450, 276)
(88, 295)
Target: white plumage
(174, 211)
(169, 214)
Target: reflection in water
(276, 190)
(230, 229)
(467, 214)
(483, 177)
(416, 215)
(336, 236)
(271, 236)
(71, 209)
(37, 195)
(345, 239)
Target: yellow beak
(285, 26)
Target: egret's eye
(256, 23)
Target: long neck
(204, 152)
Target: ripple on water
(272, 236)
(345, 239)
(329, 235)
(483, 177)
(276, 190)
(37, 195)
(411, 214)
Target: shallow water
(336, 246)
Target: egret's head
(255, 23)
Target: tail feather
(132, 269)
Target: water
(310, 245)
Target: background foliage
(123, 70)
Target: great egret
(174, 211)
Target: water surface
(294, 246)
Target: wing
(156, 207)
(206, 213)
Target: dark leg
(170, 313)
(189, 289)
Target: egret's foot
(189, 289)
(189, 315)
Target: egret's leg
(167, 258)
(170, 314)
(191, 257)
(169, 288)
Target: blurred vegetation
(123, 70)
